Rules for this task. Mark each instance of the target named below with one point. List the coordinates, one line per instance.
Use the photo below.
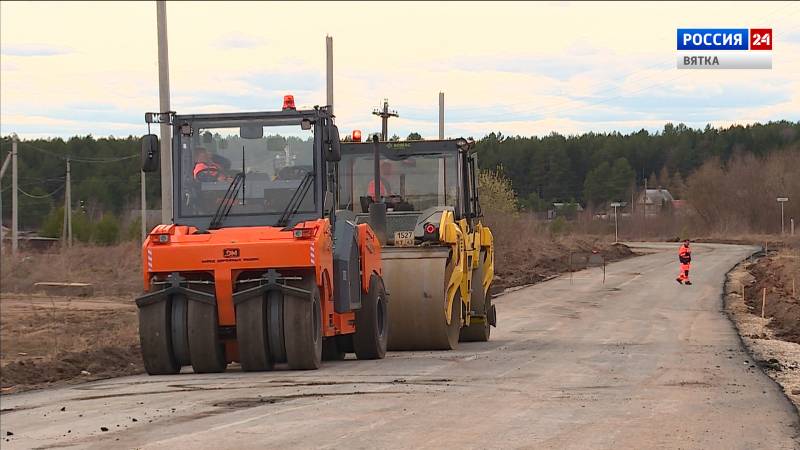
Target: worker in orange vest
(685, 258)
(205, 169)
(386, 169)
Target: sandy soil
(773, 340)
(46, 340)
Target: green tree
(621, 176)
(598, 184)
(415, 137)
(535, 203)
(106, 231)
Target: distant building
(566, 210)
(655, 201)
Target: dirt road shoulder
(779, 358)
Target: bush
(559, 226)
(134, 230)
(496, 195)
(81, 227)
(106, 231)
(53, 224)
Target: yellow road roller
(421, 198)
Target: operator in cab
(386, 170)
(205, 169)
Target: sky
(518, 68)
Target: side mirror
(334, 153)
(151, 153)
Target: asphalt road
(637, 362)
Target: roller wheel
(302, 319)
(156, 339)
(277, 348)
(331, 351)
(180, 338)
(206, 350)
(372, 324)
(253, 334)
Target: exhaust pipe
(377, 209)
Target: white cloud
(516, 67)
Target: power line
(40, 196)
(79, 159)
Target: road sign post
(782, 200)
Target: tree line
(596, 168)
(591, 169)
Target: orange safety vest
(212, 169)
(685, 254)
(371, 189)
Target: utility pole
(68, 201)
(385, 114)
(644, 209)
(163, 94)
(329, 72)
(14, 198)
(2, 172)
(441, 115)
(144, 206)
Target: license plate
(403, 238)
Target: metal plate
(404, 238)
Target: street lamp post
(782, 200)
(616, 205)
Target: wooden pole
(14, 198)
(570, 267)
(763, 302)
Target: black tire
(155, 338)
(479, 332)
(372, 323)
(253, 335)
(480, 302)
(180, 337)
(206, 350)
(331, 350)
(277, 348)
(302, 327)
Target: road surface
(637, 362)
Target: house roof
(658, 196)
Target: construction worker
(204, 168)
(386, 169)
(685, 258)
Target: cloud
(240, 41)
(34, 50)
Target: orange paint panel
(227, 252)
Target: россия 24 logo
(724, 39)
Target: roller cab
(438, 258)
(257, 268)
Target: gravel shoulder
(767, 339)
